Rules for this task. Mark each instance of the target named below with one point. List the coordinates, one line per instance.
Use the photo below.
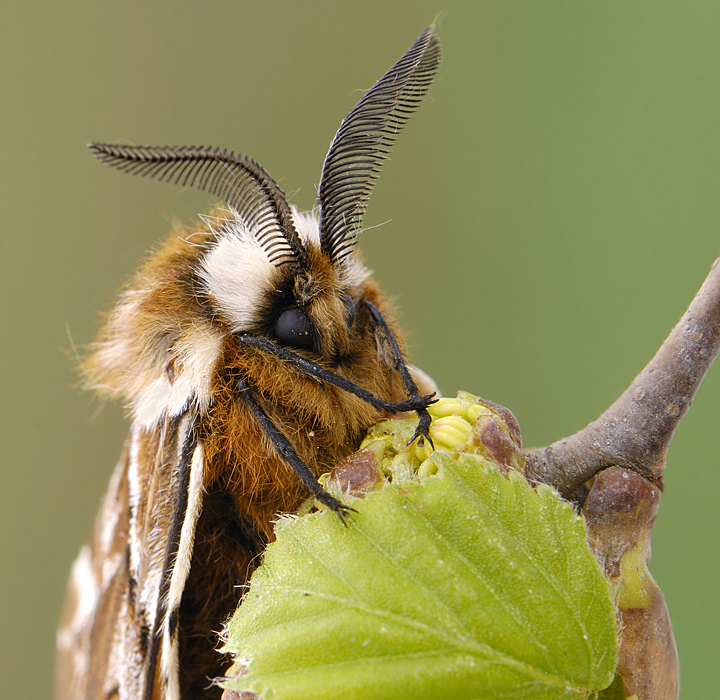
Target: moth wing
(97, 601)
(108, 642)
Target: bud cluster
(464, 425)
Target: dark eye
(350, 306)
(293, 328)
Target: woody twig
(625, 449)
(636, 430)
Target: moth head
(260, 267)
(307, 303)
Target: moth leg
(415, 402)
(286, 451)
(422, 431)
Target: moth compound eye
(293, 328)
(351, 309)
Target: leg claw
(336, 506)
(422, 432)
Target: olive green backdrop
(551, 211)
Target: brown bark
(636, 430)
(625, 449)
(619, 513)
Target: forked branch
(636, 430)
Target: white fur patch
(145, 553)
(237, 274)
(196, 490)
(308, 227)
(196, 354)
(181, 570)
(134, 494)
(353, 273)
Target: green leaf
(464, 584)
(615, 691)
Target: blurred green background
(554, 207)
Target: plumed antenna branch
(364, 140)
(241, 182)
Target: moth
(253, 351)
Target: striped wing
(115, 639)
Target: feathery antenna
(364, 140)
(241, 182)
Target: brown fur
(246, 483)
(236, 446)
(158, 307)
(192, 504)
